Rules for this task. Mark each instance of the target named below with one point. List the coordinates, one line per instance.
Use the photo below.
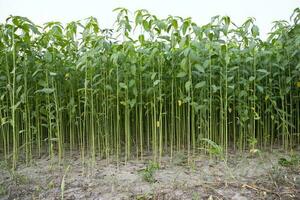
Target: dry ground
(244, 176)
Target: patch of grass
(292, 161)
(147, 173)
(51, 185)
(37, 189)
(143, 197)
(4, 165)
(2, 190)
(19, 179)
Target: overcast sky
(40, 11)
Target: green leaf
(252, 78)
(227, 59)
(48, 57)
(141, 38)
(181, 74)
(108, 87)
(146, 25)
(233, 69)
(134, 91)
(36, 72)
(262, 71)
(210, 36)
(123, 85)
(138, 18)
(52, 74)
(260, 88)
(133, 70)
(16, 105)
(131, 82)
(188, 85)
(45, 90)
(153, 75)
(255, 30)
(183, 65)
(185, 26)
(200, 68)
(224, 49)
(132, 102)
(175, 24)
(200, 84)
(230, 78)
(249, 59)
(215, 88)
(156, 82)
(288, 80)
(165, 37)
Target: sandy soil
(244, 176)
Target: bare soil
(245, 176)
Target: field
(151, 109)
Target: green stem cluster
(152, 86)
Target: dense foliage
(152, 85)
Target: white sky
(40, 11)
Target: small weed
(195, 196)
(2, 190)
(149, 171)
(193, 165)
(36, 192)
(212, 148)
(293, 161)
(252, 143)
(62, 185)
(51, 185)
(216, 150)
